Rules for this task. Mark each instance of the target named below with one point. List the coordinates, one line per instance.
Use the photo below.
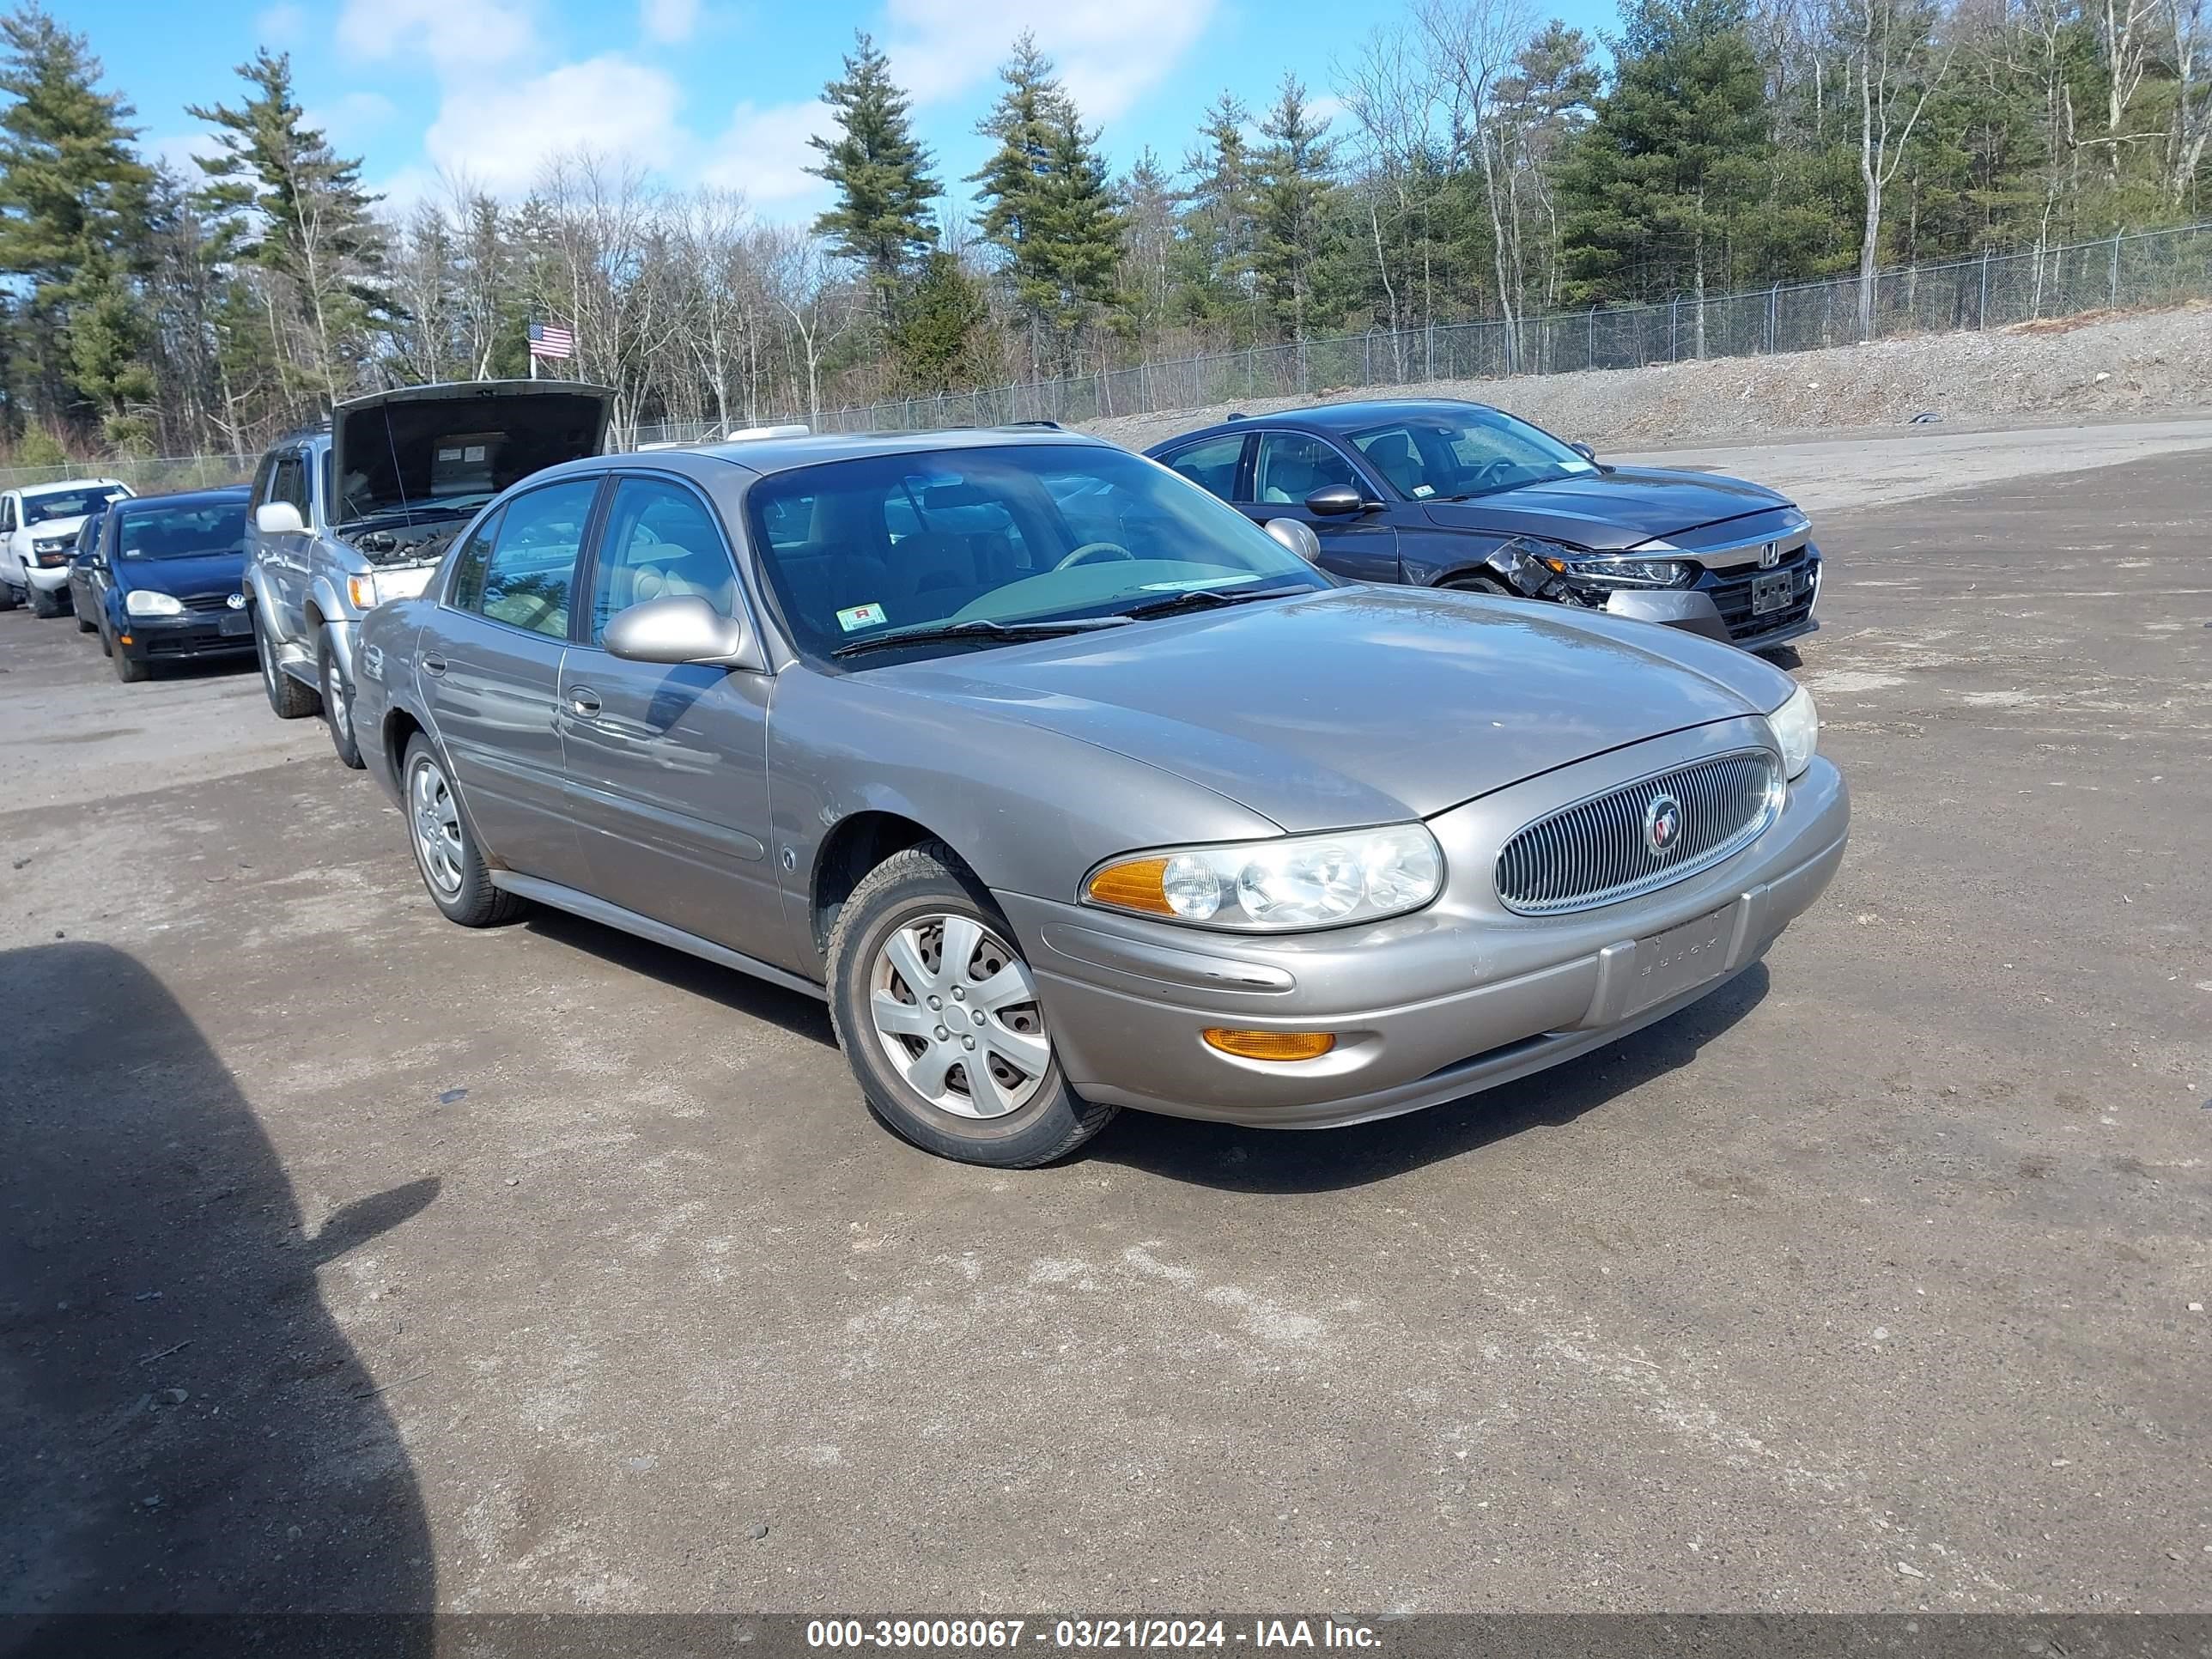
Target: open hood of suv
(419, 444)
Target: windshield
(1017, 534)
(1473, 451)
(69, 503)
(181, 532)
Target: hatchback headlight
(1276, 886)
(1796, 728)
(139, 602)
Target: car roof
(188, 497)
(1334, 417)
(764, 456)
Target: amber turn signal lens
(1270, 1045)
(1135, 884)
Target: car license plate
(1669, 963)
(1772, 592)
(232, 624)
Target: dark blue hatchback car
(163, 578)
(1444, 494)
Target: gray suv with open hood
(358, 511)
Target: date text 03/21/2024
(1087, 1634)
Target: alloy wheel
(436, 817)
(956, 1013)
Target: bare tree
(1471, 45)
(804, 279)
(1897, 66)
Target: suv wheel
(938, 1017)
(8, 599)
(338, 710)
(287, 696)
(445, 850)
(43, 604)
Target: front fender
(1432, 560)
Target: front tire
(338, 710)
(8, 599)
(1481, 585)
(45, 604)
(287, 698)
(130, 670)
(446, 853)
(938, 1015)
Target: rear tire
(446, 856)
(887, 989)
(338, 710)
(8, 599)
(290, 699)
(45, 604)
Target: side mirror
(1584, 451)
(682, 629)
(1297, 535)
(278, 519)
(1336, 501)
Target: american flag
(551, 340)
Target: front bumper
(52, 578)
(1720, 605)
(1426, 1008)
(180, 639)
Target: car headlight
(1275, 886)
(139, 602)
(1624, 573)
(1796, 728)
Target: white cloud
(502, 135)
(764, 153)
(460, 37)
(179, 150)
(1108, 53)
(669, 20)
(350, 118)
(280, 25)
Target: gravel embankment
(2100, 365)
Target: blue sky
(717, 92)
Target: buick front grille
(1640, 836)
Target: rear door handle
(433, 664)
(584, 701)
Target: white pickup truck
(360, 509)
(38, 532)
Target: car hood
(1612, 510)
(46, 529)
(183, 575)
(391, 448)
(1358, 705)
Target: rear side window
(1211, 464)
(532, 569)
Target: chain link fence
(1996, 291)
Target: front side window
(180, 533)
(532, 564)
(1474, 451)
(661, 543)
(1010, 534)
(1291, 465)
(289, 483)
(1211, 464)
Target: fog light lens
(1270, 1045)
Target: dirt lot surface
(351, 1259)
(2098, 368)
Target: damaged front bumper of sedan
(1757, 595)
(1430, 1007)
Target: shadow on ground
(183, 1426)
(1325, 1160)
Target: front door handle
(433, 664)
(584, 701)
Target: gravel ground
(2095, 366)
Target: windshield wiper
(981, 627)
(1204, 598)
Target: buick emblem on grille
(236, 602)
(1662, 824)
(1770, 554)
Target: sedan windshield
(181, 532)
(69, 503)
(1473, 452)
(917, 545)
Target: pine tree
(1293, 187)
(1049, 206)
(73, 220)
(1220, 222)
(881, 173)
(941, 317)
(292, 207)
